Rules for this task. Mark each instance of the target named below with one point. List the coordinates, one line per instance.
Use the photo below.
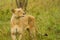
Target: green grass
(46, 12)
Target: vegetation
(46, 12)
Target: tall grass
(46, 12)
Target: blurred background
(46, 12)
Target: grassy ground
(46, 12)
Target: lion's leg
(32, 28)
(13, 34)
(33, 33)
(21, 33)
(20, 37)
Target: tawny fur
(22, 23)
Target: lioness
(21, 22)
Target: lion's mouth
(17, 17)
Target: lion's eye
(18, 11)
(24, 13)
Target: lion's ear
(13, 10)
